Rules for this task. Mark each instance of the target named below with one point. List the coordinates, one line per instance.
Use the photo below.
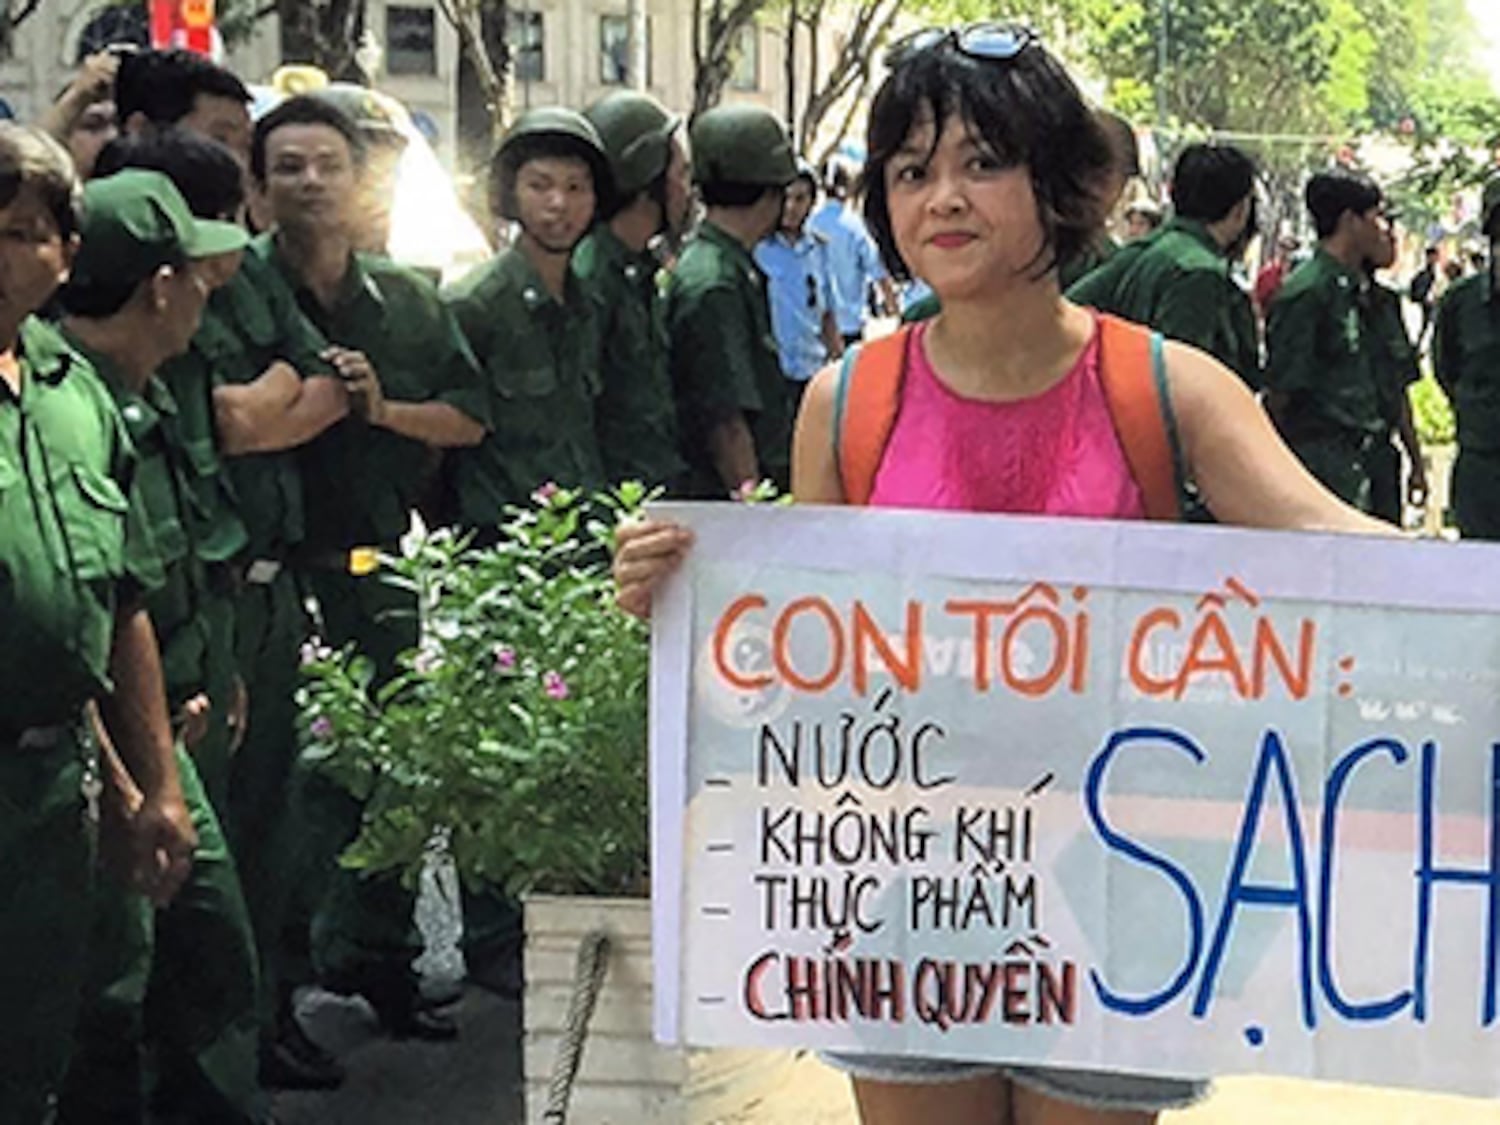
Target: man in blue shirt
(854, 260)
(800, 286)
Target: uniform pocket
(93, 516)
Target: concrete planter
(625, 1077)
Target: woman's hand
(646, 552)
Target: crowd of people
(221, 402)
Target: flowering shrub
(517, 729)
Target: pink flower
(555, 686)
(313, 652)
(505, 658)
(322, 728)
(545, 494)
(746, 490)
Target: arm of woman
(1245, 471)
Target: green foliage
(517, 729)
(1432, 413)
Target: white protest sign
(1174, 800)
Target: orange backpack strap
(1133, 370)
(864, 410)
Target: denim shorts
(1095, 1089)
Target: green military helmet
(1490, 204)
(549, 126)
(742, 144)
(636, 131)
(378, 116)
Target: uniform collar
(356, 285)
(514, 267)
(1329, 264)
(721, 238)
(44, 351)
(615, 257)
(154, 394)
(804, 241)
(1197, 230)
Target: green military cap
(636, 131)
(136, 221)
(377, 115)
(551, 129)
(1490, 203)
(742, 144)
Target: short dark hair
(205, 172)
(1432, 251)
(30, 159)
(507, 164)
(163, 85)
(1210, 180)
(1330, 194)
(720, 194)
(1121, 134)
(304, 109)
(1026, 110)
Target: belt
(357, 561)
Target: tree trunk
(468, 20)
(324, 34)
(715, 32)
(851, 69)
(17, 12)
(789, 65)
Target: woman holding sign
(983, 175)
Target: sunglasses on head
(997, 42)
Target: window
(410, 41)
(614, 51)
(746, 72)
(524, 33)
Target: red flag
(183, 23)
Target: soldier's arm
(733, 450)
(135, 715)
(280, 409)
(711, 343)
(1445, 365)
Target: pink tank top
(1055, 454)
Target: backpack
(1132, 370)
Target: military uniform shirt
(360, 483)
(724, 360)
(1321, 353)
(540, 359)
(1086, 261)
(853, 262)
(1176, 281)
(249, 324)
(800, 291)
(74, 541)
(635, 417)
(164, 482)
(1396, 362)
(1466, 359)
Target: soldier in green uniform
(240, 387)
(1177, 279)
(1397, 369)
(186, 977)
(75, 556)
(635, 416)
(1322, 358)
(736, 426)
(527, 320)
(414, 388)
(210, 181)
(1466, 360)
